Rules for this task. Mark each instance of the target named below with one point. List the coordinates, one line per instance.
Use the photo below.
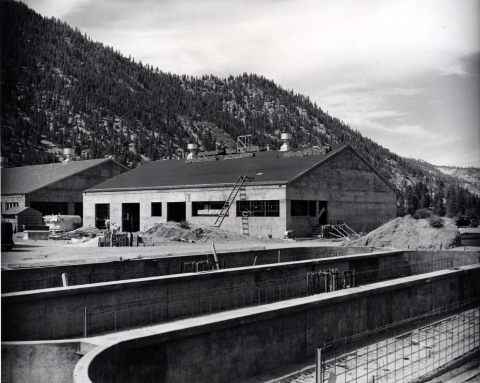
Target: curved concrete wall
(235, 345)
(41, 362)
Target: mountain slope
(61, 89)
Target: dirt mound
(174, 231)
(411, 234)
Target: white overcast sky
(405, 73)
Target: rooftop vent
(69, 154)
(192, 148)
(286, 139)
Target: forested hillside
(61, 89)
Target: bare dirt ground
(164, 240)
(171, 239)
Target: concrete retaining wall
(59, 312)
(48, 277)
(237, 345)
(39, 362)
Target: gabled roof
(18, 210)
(26, 179)
(266, 168)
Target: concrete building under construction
(259, 193)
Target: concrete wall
(247, 343)
(70, 189)
(355, 194)
(59, 313)
(257, 225)
(46, 362)
(23, 279)
(46, 277)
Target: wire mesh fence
(406, 350)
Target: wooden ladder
(226, 207)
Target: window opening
(269, 208)
(176, 211)
(9, 205)
(156, 209)
(300, 208)
(207, 208)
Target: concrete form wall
(70, 189)
(59, 313)
(48, 277)
(258, 226)
(356, 195)
(41, 363)
(254, 343)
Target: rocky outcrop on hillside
(469, 176)
(410, 234)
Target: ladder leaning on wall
(226, 207)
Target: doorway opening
(322, 212)
(102, 212)
(176, 211)
(131, 217)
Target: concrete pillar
(65, 280)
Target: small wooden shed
(21, 217)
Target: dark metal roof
(265, 167)
(18, 210)
(26, 179)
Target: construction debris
(178, 232)
(81, 232)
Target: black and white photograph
(240, 191)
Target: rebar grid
(117, 273)
(407, 350)
(191, 304)
(145, 311)
(198, 303)
(319, 282)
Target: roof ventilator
(286, 139)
